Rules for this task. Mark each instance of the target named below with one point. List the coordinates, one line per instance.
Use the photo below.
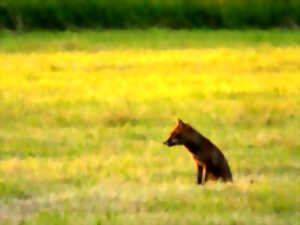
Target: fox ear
(180, 122)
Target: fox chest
(199, 159)
(208, 159)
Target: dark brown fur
(211, 163)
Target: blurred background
(90, 89)
(177, 14)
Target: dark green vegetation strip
(70, 14)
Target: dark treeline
(73, 14)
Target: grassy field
(83, 117)
(152, 39)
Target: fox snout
(171, 141)
(166, 143)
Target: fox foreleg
(201, 173)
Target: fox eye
(178, 136)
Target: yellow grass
(100, 76)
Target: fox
(210, 161)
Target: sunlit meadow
(81, 129)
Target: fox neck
(194, 142)
(192, 147)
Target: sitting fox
(211, 163)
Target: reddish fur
(206, 155)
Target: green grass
(143, 39)
(82, 127)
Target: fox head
(178, 134)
